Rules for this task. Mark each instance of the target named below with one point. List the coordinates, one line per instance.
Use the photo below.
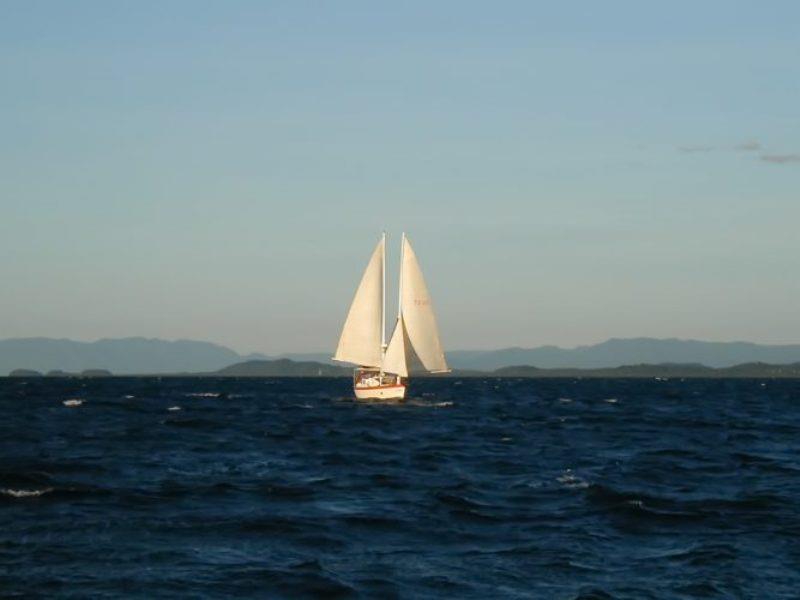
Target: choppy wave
(474, 488)
(25, 493)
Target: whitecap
(611, 400)
(421, 402)
(565, 400)
(174, 408)
(568, 479)
(24, 493)
(203, 394)
(73, 402)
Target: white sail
(395, 360)
(360, 342)
(417, 314)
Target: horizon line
(280, 354)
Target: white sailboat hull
(383, 392)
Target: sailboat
(382, 369)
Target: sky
(566, 171)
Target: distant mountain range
(141, 355)
(664, 370)
(615, 352)
(283, 367)
(289, 368)
(632, 351)
(120, 356)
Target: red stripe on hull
(378, 387)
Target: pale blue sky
(567, 171)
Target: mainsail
(362, 334)
(416, 329)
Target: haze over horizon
(319, 352)
(138, 356)
(566, 175)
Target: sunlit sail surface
(384, 368)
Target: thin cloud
(746, 146)
(781, 159)
(693, 149)
(750, 146)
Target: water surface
(476, 488)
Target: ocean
(474, 488)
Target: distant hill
(138, 355)
(120, 356)
(747, 370)
(282, 368)
(288, 368)
(612, 353)
(24, 373)
(617, 352)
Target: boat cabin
(368, 378)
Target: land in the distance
(130, 356)
(290, 368)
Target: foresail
(418, 316)
(395, 360)
(360, 342)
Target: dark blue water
(475, 489)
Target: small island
(25, 373)
(57, 373)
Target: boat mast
(383, 300)
(400, 291)
(400, 287)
